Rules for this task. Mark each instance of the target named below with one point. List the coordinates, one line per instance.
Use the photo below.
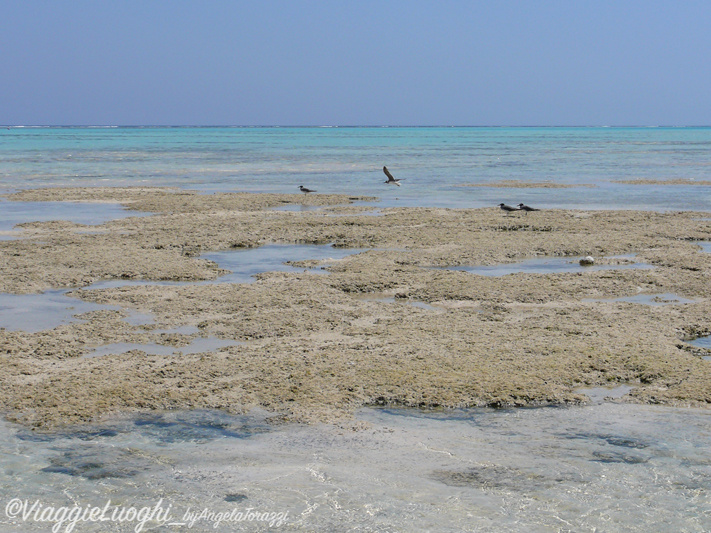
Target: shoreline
(314, 352)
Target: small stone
(587, 261)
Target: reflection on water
(604, 467)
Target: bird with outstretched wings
(391, 180)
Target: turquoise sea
(607, 466)
(433, 161)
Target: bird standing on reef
(509, 209)
(304, 189)
(526, 208)
(391, 180)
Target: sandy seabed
(315, 347)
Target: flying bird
(526, 208)
(508, 208)
(391, 180)
(304, 189)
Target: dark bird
(304, 189)
(391, 180)
(508, 208)
(526, 208)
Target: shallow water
(603, 467)
(703, 342)
(705, 246)
(245, 263)
(38, 312)
(434, 163)
(199, 345)
(658, 299)
(47, 310)
(297, 208)
(91, 214)
(545, 265)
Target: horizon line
(325, 126)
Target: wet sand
(313, 350)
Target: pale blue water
(12, 213)
(601, 468)
(433, 162)
(605, 467)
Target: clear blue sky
(358, 62)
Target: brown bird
(391, 180)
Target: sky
(359, 62)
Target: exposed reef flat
(311, 350)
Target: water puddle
(705, 246)
(384, 298)
(549, 265)
(10, 235)
(373, 213)
(702, 342)
(659, 299)
(601, 394)
(38, 312)
(96, 232)
(245, 263)
(199, 345)
(602, 467)
(117, 283)
(90, 214)
(136, 318)
(327, 209)
(297, 207)
(180, 330)
(54, 308)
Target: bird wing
(387, 173)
